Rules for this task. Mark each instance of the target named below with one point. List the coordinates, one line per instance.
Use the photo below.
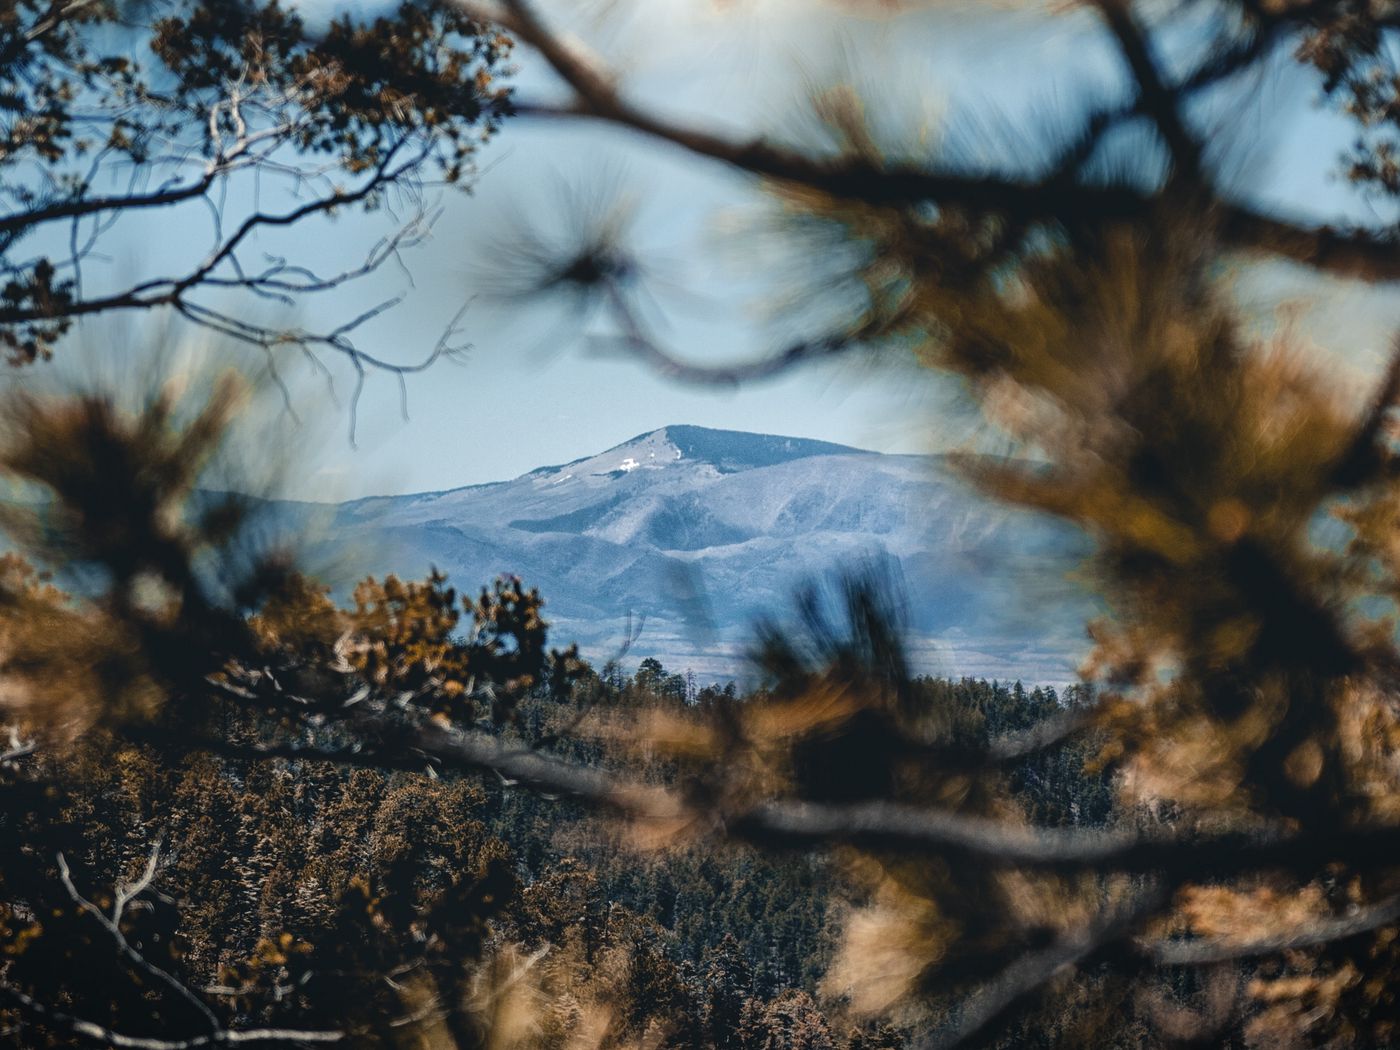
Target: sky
(538, 386)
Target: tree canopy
(237, 117)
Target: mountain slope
(700, 531)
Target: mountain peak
(701, 530)
(728, 451)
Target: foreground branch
(124, 947)
(1324, 931)
(416, 745)
(1359, 253)
(1029, 975)
(91, 1032)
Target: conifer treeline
(312, 896)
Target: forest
(243, 806)
(306, 896)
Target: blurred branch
(1371, 255)
(1363, 254)
(18, 748)
(1161, 104)
(54, 17)
(417, 743)
(1043, 735)
(673, 366)
(1365, 454)
(1030, 973)
(1205, 952)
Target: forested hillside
(274, 890)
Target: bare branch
(128, 892)
(125, 948)
(96, 1033)
(20, 221)
(278, 280)
(673, 366)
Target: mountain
(694, 533)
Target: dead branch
(103, 1036)
(125, 948)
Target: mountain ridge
(688, 439)
(548, 468)
(701, 532)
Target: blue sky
(536, 389)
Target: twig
(127, 892)
(125, 948)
